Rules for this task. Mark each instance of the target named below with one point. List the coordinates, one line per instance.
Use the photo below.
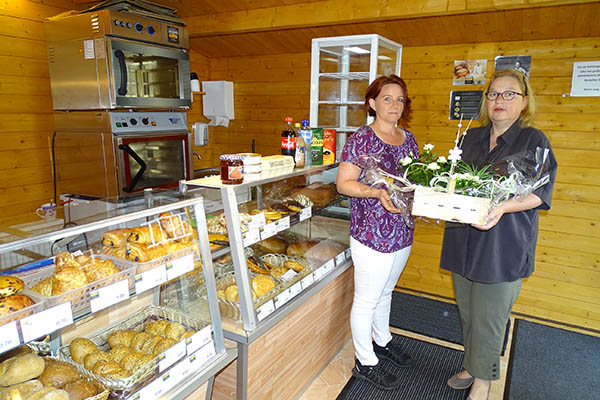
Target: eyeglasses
(507, 95)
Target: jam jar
(232, 167)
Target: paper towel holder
(217, 103)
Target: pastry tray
(40, 305)
(139, 267)
(103, 395)
(134, 322)
(80, 297)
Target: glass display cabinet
(125, 278)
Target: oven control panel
(132, 122)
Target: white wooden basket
(450, 206)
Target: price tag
(305, 213)
(198, 339)
(204, 354)
(251, 236)
(348, 253)
(289, 274)
(283, 223)
(329, 266)
(307, 281)
(150, 279)
(268, 230)
(46, 321)
(9, 336)
(340, 258)
(108, 295)
(180, 266)
(257, 220)
(296, 288)
(265, 310)
(156, 388)
(282, 298)
(171, 355)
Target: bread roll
(100, 270)
(58, 373)
(91, 359)
(116, 237)
(111, 369)
(48, 393)
(163, 345)
(138, 341)
(14, 303)
(273, 244)
(81, 347)
(148, 346)
(174, 330)
(149, 234)
(121, 337)
(131, 361)
(67, 278)
(80, 389)
(157, 327)
(231, 293)
(20, 369)
(10, 285)
(277, 272)
(21, 390)
(118, 353)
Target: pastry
(121, 337)
(81, 347)
(273, 244)
(44, 287)
(118, 353)
(21, 390)
(20, 369)
(277, 272)
(231, 293)
(64, 258)
(14, 303)
(100, 270)
(48, 393)
(256, 266)
(148, 346)
(174, 225)
(162, 346)
(149, 234)
(295, 265)
(187, 334)
(174, 330)
(120, 252)
(143, 253)
(116, 237)
(221, 294)
(138, 341)
(157, 327)
(299, 249)
(262, 284)
(83, 260)
(91, 359)
(111, 369)
(57, 373)
(67, 278)
(80, 389)
(10, 285)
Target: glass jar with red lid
(232, 169)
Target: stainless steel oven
(108, 59)
(102, 154)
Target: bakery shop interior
(187, 189)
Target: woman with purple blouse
(379, 238)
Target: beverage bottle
(288, 138)
(300, 156)
(306, 134)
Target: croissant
(148, 234)
(100, 270)
(67, 278)
(63, 258)
(44, 287)
(142, 253)
(116, 237)
(120, 252)
(174, 226)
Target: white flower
(433, 166)
(441, 159)
(406, 161)
(428, 147)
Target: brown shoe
(460, 383)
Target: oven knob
(129, 25)
(117, 22)
(145, 121)
(133, 121)
(123, 24)
(138, 27)
(151, 30)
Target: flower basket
(436, 204)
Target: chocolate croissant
(148, 234)
(174, 226)
(142, 253)
(116, 237)
(120, 252)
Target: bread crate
(450, 206)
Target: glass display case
(122, 279)
(274, 241)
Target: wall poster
(586, 79)
(520, 63)
(465, 102)
(469, 72)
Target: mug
(47, 211)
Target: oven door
(150, 161)
(149, 76)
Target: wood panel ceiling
(262, 27)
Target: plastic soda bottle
(288, 138)
(306, 133)
(300, 156)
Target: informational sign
(106, 296)
(520, 63)
(586, 79)
(9, 336)
(180, 266)
(47, 321)
(150, 279)
(469, 72)
(465, 103)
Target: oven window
(164, 159)
(151, 76)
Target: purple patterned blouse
(370, 223)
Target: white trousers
(375, 276)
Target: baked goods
(91, 359)
(292, 264)
(20, 369)
(277, 272)
(187, 334)
(148, 234)
(81, 347)
(118, 353)
(57, 373)
(110, 369)
(10, 285)
(116, 237)
(315, 250)
(48, 393)
(14, 303)
(99, 270)
(273, 244)
(174, 330)
(120, 252)
(231, 293)
(163, 345)
(132, 361)
(262, 284)
(257, 266)
(138, 341)
(319, 193)
(143, 253)
(63, 258)
(299, 249)
(174, 226)
(121, 337)
(157, 327)
(21, 390)
(44, 287)
(66, 278)
(80, 389)
(148, 346)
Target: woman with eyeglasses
(488, 262)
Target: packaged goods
(316, 147)
(306, 133)
(288, 138)
(300, 156)
(232, 168)
(252, 166)
(328, 146)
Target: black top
(506, 252)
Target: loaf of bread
(149, 234)
(116, 237)
(81, 347)
(315, 250)
(48, 393)
(81, 389)
(110, 369)
(299, 249)
(66, 278)
(10, 285)
(14, 303)
(21, 390)
(99, 270)
(19, 369)
(273, 244)
(319, 193)
(57, 373)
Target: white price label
(108, 295)
(289, 274)
(265, 310)
(348, 253)
(283, 223)
(296, 288)
(340, 258)
(9, 336)
(320, 272)
(307, 281)
(198, 339)
(204, 354)
(305, 213)
(257, 220)
(171, 356)
(46, 322)
(282, 298)
(268, 230)
(180, 266)
(251, 236)
(329, 266)
(150, 279)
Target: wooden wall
(566, 284)
(26, 108)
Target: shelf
(350, 76)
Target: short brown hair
(375, 88)
(528, 112)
